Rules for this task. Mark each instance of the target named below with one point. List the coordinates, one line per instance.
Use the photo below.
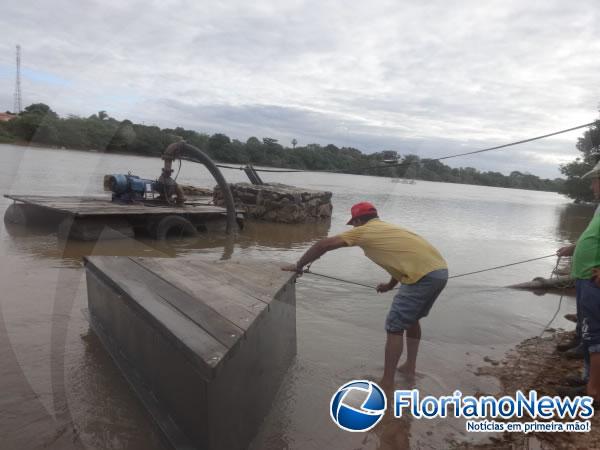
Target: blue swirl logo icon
(358, 405)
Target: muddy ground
(536, 364)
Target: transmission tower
(18, 106)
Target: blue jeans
(588, 319)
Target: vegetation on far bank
(589, 147)
(38, 124)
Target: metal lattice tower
(18, 105)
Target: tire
(16, 214)
(174, 226)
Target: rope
(178, 170)
(338, 279)
(552, 275)
(167, 199)
(307, 270)
(441, 158)
(500, 267)
(223, 166)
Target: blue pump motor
(128, 188)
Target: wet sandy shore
(536, 364)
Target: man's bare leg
(393, 351)
(593, 386)
(413, 338)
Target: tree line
(589, 148)
(39, 124)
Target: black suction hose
(199, 156)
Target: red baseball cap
(361, 209)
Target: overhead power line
(515, 143)
(407, 163)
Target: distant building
(5, 117)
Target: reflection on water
(61, 390)
(40, 240)
(279, 235)
(100, 408)
(572, 220)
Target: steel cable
(307, 270)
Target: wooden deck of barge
(103, 206)
(92, 218)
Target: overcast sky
(430, 78)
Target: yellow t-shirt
(406, 256)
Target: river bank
(418, 168)
(535, 364)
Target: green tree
(216, 144)
(72, 133)
(37, 123)
(255, 150)
(40, 109)
(123, 138)
(589, 146)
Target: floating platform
(204, 345)
(89, 218)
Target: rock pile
(276, 202)
(194, 191)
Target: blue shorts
(413, 301)
(588, 309)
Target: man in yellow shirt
(410, 260)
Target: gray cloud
(417, 77)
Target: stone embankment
(276, 202)
(194, 191)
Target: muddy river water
(59, 388)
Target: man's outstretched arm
(315, 252)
